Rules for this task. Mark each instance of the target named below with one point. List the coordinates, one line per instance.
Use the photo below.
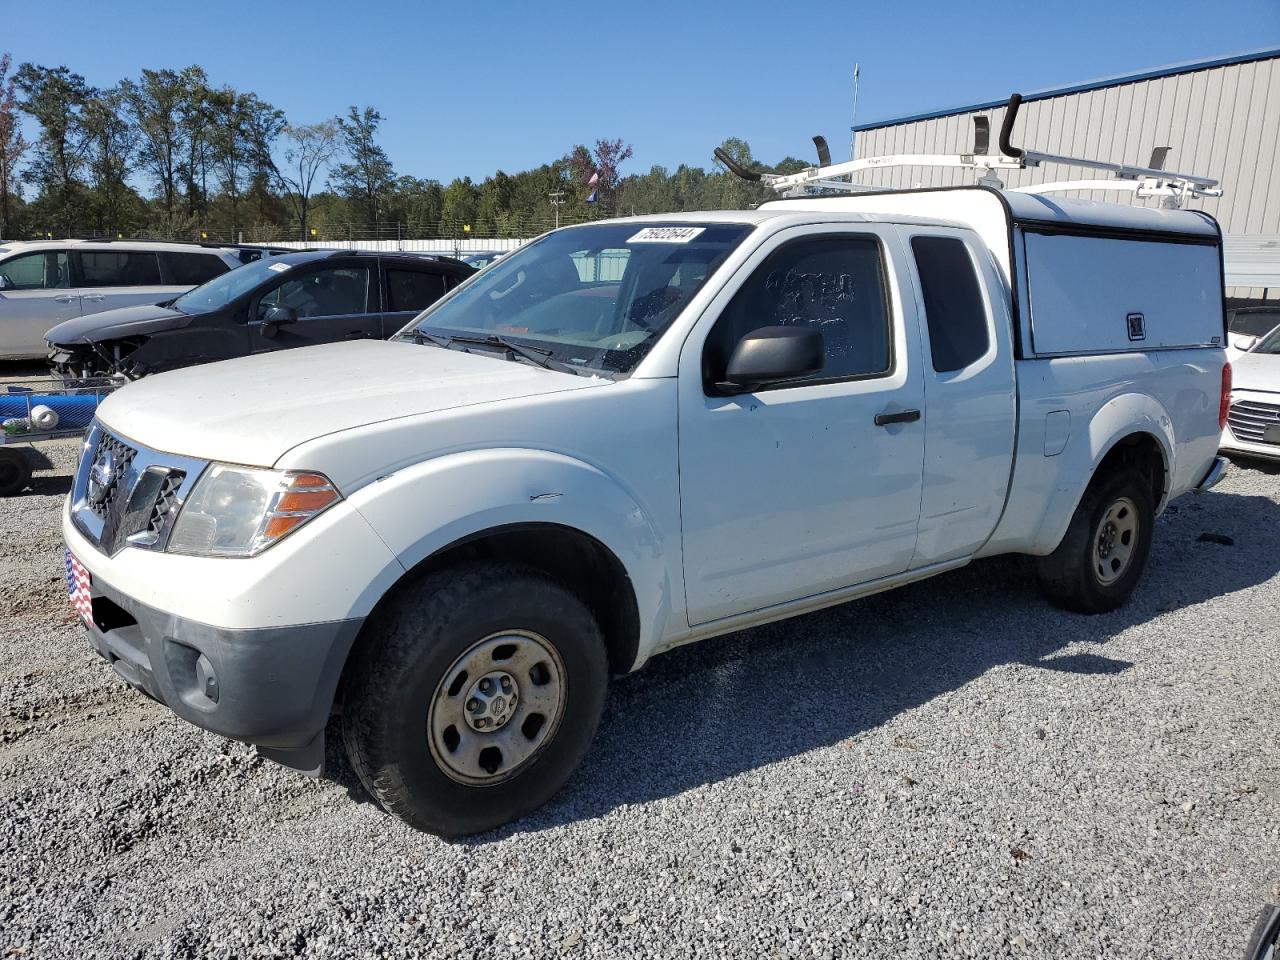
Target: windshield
(225, 287)
(596, 297)
(1270, 344)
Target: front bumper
(272, 687)
(1262, 451)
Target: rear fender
(1117, 419)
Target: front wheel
(474, 698)
(1101, 558)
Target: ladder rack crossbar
(1142, 181)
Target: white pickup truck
(630, 435)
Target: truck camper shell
(1084, 277)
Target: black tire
(1074, 576)
(420, 636)
(15, 472)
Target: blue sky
(468, 88)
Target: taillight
(1224, 403)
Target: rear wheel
(1101, 558)
(475, 697)
(15, 472)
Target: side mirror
(774, 354)
(1243, 341)
(279, 316)
(273, 318)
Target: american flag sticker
(78, 582)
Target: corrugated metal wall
(1222, 122)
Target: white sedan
(1253, 421)
(1246, 326)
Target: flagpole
(854, 122)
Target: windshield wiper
(537, 355)
(420, 338)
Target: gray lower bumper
(272, 687)
(1213, 476)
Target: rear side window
(46, 270)
(412, 290)
(958, 332)
(119, 268)
(191, 269)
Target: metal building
(1219, 118)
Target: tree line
(170, 154)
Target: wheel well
(579, 562)
(1142, 452)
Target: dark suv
(314, 296)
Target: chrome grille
(166, 499)
(133, 497)
(1249, 419)
(124, 455)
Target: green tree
(55, 97)
(367, 175)
(111, 142)
(309, 149)
(242, 131)
(158, 101)
(458, 206)
(12, 146)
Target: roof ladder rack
(1144, 182)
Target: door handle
(64, 299)
(903, 416)
(93, 298)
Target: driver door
(332, 302)
(811, 485)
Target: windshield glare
(225, 287)
(596, 297)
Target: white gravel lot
(954, 769)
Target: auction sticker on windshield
(666, 235)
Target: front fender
(1120, 417)
(429, 506)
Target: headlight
(240, 511)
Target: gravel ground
(951, 769)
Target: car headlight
(240, 511)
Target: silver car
(44, 282)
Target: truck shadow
(724, 706)
(721, 707)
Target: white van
(44, 282)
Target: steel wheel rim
(496, 707)
(1115, 540)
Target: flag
(595, 178)
(595, 195)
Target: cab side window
(833, 283)
(46, 270)
(412, 290)
(192, 269)
(328, 292)
(119, 268)
(954, 312)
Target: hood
(113, 324)
(254, 409)
(1256, 371)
